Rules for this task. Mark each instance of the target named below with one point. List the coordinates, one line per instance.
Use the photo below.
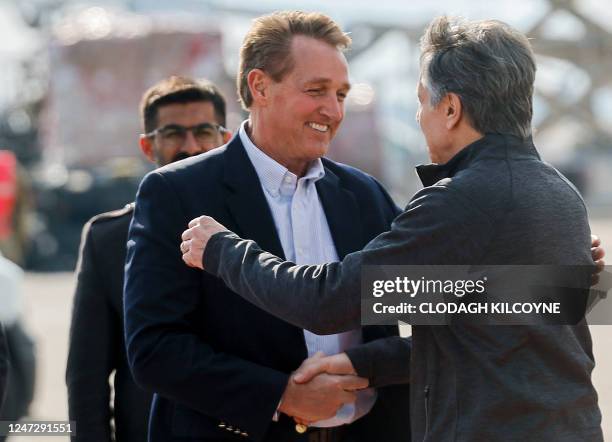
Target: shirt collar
(275, 178)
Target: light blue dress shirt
(304, 234)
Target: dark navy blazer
(214, 360)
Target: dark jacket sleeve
(91, 356)
(3, 364)
(383, 361)
(435, 228)
(165, 353)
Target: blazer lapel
(246, 201)
(342, 213)
(249, 209)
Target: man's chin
(319, 151)
(321, 146)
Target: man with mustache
(181, 117)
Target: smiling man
(221, 367)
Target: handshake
(320, 387)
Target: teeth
(319, 127)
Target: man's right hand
(321, 398)
(319, 363)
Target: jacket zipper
(426, 391)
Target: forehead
(186, 114)
(316, 60)
(421, 90)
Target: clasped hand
(320, 387)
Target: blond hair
(267, 45)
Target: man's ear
(146, 147)
(258, 82)
(227, 135)
(454, 110)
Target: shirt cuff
(276, 415)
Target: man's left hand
(196, 237)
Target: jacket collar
(491, 146)
(245, 199)
(342, 213)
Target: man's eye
(204, 132)
(315, 91)
(172, 133)
(341, 96)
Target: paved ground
(49, 298)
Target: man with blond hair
(220, 367)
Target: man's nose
(191, 145)
(333, 108)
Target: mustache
(182, 155)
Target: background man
(488, 200)
(3, 365)
(20, 347)
(220, 366)
(180, 117)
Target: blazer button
(229, 428)
(222, 425)
(237, 431)
(245, 434)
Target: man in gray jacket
(488, 199)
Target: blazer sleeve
(93, 336)
(326, 298)
(165, 353)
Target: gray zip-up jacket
(494, 203)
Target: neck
(460, 141)
(271, 146)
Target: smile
(319, 127)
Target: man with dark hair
(166, 104)
(221, 368)
(181, 117)
(488, 200)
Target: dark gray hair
(488, 64)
